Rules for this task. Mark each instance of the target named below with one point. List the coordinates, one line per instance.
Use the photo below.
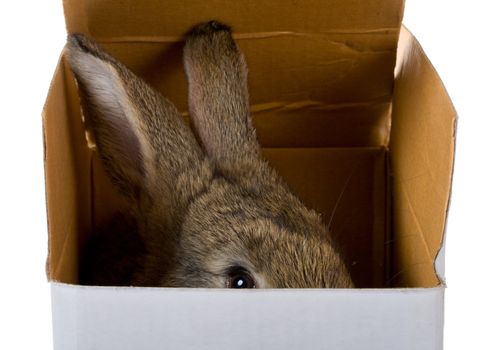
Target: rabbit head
(215, 215)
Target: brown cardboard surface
(303, 78)
(67, 177)
(422, 151)
(295, 93)
(348, 188)
(312, 124)
(154, 18)
(318, 59)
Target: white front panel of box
(151, 318)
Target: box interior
(369, 149)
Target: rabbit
(210, 212)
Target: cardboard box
(337, 87)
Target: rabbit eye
(238, 277)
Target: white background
(462, 38)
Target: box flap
(170, 20)
(422, 151)
(331, 62)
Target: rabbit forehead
(292, 260)
(227, 226)
(275, 256)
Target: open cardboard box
(351, 113)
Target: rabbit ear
(141, 139)
(218, 95)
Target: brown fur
(201, 211)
